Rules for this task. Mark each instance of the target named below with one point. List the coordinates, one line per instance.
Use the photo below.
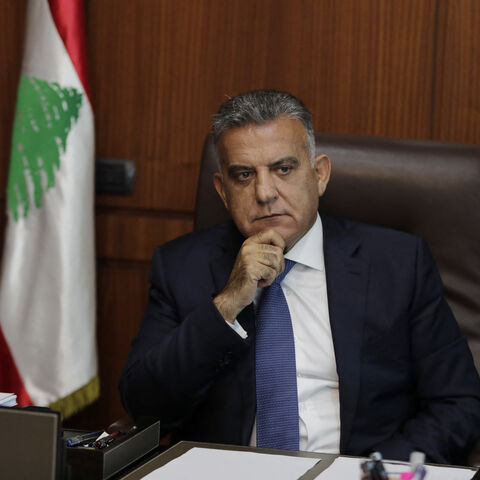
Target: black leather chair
(430, 189)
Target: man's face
(267, 180)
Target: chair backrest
(430, 189)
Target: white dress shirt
(305, 290)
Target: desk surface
(182, 447)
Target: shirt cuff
(238, 328)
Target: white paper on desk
(214, 464)
(8, 399)
(344, 467)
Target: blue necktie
(276, 374)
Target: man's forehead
(278, 138)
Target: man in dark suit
(380, 363)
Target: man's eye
(284, 169)
(244, 175)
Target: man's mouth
(271, 216)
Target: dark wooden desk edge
(182, 447)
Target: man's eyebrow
(293, 161)
(233, 169)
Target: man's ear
(220, 187)
(322, 169)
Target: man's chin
(282, 224)
(281, 227)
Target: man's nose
(265, 188)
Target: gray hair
(259, 107)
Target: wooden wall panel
(145, 70)
(122, 292)
(160, 69)
(456, 113)
(134, 234)
(369, 67)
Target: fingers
(258, 263)
(258, 266)
(266, 248)
(267, 255)
(260, 269)
(267, 237)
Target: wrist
(225, 308)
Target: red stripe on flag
(10, 380)
(69, 18)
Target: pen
(82, 439)
(419, 473)
(417, 460)
(367, 468)
(106, 441)
(378, 468)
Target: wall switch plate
(114, 176)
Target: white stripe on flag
(47, 289)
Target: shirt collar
(309, 249)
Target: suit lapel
(347, 275)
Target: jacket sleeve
(182, 346)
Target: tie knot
(288, 266)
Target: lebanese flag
(47, 285)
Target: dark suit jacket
(406, 376)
